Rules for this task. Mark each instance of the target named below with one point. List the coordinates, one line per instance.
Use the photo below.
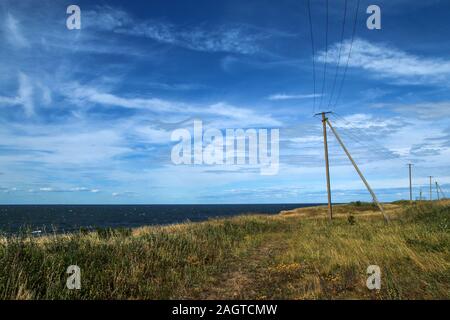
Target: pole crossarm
(385, 215)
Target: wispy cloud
(382, 60)
(24, 96)
(426, 111)
(233, 38)
(124, 194)
(73, 189)
(238, 39)
(425, 149)
(14, 33)
(282, 96)
(367, 121)
(83, 94)
(225, 114)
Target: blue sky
(87, 115)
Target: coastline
(62, 219)
(291, 255)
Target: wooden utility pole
(386, 217)
(410, 183)
(431, 189)
(327, 166)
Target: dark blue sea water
(69, 218)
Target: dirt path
(242, 281)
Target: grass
(294, 255)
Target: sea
(44, 219)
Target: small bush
(106, 233)
(363, 206)
(351, 219)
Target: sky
(87, 116)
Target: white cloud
(149, 134)
(281, 96)
(94, 96)
(222, 114)
(74, 189)
(366, 121)
(125, 193)
(383, 60)
(307, 139)
(24, 96)
(236, 38)
(14, 33)
(243, 117)
(62, 145)
(427, 110)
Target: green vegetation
(294, 255)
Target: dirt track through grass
(294, 255)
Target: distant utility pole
(437, 191)
(410, 183)
(420, 194)
(327, 167)
(386, 217)
(431, 189)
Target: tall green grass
(257, 257)
(159, 263)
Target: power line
(325, 121)
(326, 57)
(339, 55)
(313, 53)
(374, 146)
(349, 54)
(359, 132)
(375, 150)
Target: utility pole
(431, 189)
(437, 191)
(327, 167)
(410, 183)
(420, 194)
(386, 217)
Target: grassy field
(294, 255)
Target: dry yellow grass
(294, 255)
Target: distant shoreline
(48, 219)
